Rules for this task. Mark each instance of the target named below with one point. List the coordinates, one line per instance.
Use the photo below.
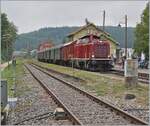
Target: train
(88, 52)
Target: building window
(84, 40)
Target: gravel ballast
(33, 101)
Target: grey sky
(32, 15)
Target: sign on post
(131, 72)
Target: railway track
(34, 106)
(83, 108)
(69, 115)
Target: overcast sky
(32, 15)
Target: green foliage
(58, 35)
(33, 39)
(142, 33)
(8, 73)
(8, 35)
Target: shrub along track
(85, 108)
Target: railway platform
(4, 65)
(119, 68)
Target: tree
(142, 33)
(8, 36)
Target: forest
(8, 37)
(58, 35)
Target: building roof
(81, 28)
(106, 34)
(111, 39)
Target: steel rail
(37, 117)
(126, 115)
(71, 116)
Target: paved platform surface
(119, 67)
(4, 65)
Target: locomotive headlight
(92, 56)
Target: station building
(91, 28)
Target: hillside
(57, 35)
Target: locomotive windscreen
(102, 50)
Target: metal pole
(104, 20)
(14, 73)
(126, 36)
(28, 48)
(72, 69)
(7, 53)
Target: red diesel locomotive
(88, 52)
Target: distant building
(44, 45)
(90, 28)
(130, 52)
(19, 54)
(33, 53)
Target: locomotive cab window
(95, 39)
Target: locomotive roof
(57, 46)
(54, 47)
(111, 39)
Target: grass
(103, 85)
(8, 73)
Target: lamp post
(125, 35)
(103, 11)
(104, 20)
